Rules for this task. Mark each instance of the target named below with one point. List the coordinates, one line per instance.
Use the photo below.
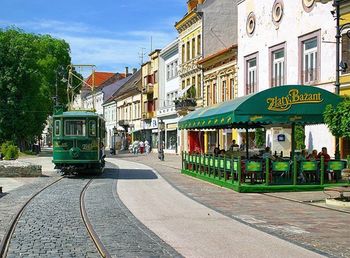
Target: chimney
(134, 70)
(126, 71)
(191, 4)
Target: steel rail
(8, 235)
(99, 245)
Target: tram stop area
(248, 169)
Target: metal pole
(293, 142)
(337, 82)
(247, 143)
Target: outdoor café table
(340, 189)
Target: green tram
(78, 141)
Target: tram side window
(92, 128)
(57, 127)
(75, 128)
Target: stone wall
(15, 168)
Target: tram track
(99, 245)
(5, 242)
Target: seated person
(222, 152)
(313, 155)
(216, 151)
(267, 154)
(324, 154)
(233, 145)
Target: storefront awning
(183, 91)
(279, 105)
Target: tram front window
(75, 128)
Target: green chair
(253, 170)
(280, 172)
(334, 168)
(310, 171)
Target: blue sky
(107, 33)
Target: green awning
(279, 105)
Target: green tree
(299, 137)
(29, 66)
(338, 118)
(260, 136)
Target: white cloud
(108, 50)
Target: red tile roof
(99, 78)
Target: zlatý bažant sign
(294, 97)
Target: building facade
(274, 53)
(128, 103)
(220, 85)
(168, 90)
(190, 75)
(345, 74)
(150, 98)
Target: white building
(285, 42)
(168, 90)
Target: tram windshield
(75, 128)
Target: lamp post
(338, 65)
(161, 126)
(113, 150)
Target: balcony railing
(147, 115)
(123, 122)
(147, 89)
(183, 106)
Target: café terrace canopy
(286, 104)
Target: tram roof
(77, 113)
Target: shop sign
(294, 97)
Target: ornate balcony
(183, 106)
(123, 122)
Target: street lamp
(338, 65)
(161, 127)
(115, 131)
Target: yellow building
(190, 75)
(150, 97)
(345, 76)
(220, 84)
(190, 52)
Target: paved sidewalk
(314, 227)
(193, 229)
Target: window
(208, 95)
(251, 74)
(183, 53)
(193, 47)
(345, 48)
(223, 90)
(277, 68)
(214, 93)
(232, 88)
(199, 50)
(199, 86)
(175, 67)
(168, 72)
(75, 127)
(309, 73)
(92, 128)
(155, 75)
(57, 127)
(188, 57)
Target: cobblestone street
(121, 233)
(51, 224)
(316, 228)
